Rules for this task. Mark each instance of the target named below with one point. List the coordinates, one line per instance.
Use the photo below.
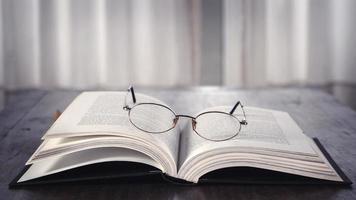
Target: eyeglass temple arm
(234, 108)
(244, 121)
(131, 89)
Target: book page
(62, 163)
(101, 113)
(269, 130)
(271, 140)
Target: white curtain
(282, 42)
(95, 43)
(112, 43)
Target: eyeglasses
(156, 118)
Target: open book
(96, 129)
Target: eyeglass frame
(126, 107)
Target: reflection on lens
(153, 118)
(217, 126)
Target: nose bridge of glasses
(186, 116)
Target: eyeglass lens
(153, 118)
(217, 126)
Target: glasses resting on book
(157, 118)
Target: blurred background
(103, 44)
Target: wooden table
(29, 115)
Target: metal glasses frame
(131, 91)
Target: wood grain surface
(30, 112)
